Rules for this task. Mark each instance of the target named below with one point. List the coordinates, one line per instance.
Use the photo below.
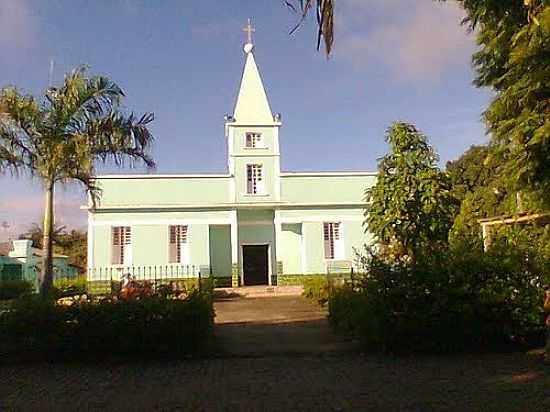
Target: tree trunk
(46, 275)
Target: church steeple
(252, 106)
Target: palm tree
(61, 138)
(324, 11)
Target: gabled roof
(252, 106)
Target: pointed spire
(252, 106)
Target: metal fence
(106, 279)
(151, 273)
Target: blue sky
(181, 59)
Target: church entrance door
(255, 261)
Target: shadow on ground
(278, 325)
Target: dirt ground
(279, 354)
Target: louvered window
(254, 140)
(254, 179)
(179, 245)
(334, 241)
(121, 252)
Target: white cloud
(17, 26)
(410, 39)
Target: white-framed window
(254, 179)
(254, 140)
(121, 245)
(334, 240)
(178, 244)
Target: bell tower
(252, 134)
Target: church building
(253, 225)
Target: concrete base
(261, 291)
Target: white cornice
(233, 205)
(154, 176)
(322, 174)
(247, 124)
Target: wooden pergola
(487, 224)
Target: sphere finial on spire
(248, 29)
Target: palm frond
(324, 10)
(118, 138)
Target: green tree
(60, 138)
(513, 60)
(483, 190)
(410, 206)
(477, 189)
(470, 171)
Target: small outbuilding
(488, 224)
(19, 260)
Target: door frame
(241, 253)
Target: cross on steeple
(249, 30)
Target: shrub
(460, 299)
(12, 289)
(71, 286)
(316, 289)
(153, 326)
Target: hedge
(41, 329)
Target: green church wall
(146, 252)
(199, 245)
(220, 250)
(290, 248)
(314, 249)
(150, 190)
(325, 189)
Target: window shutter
(259, 179)
(127, 246)
(339, 252)
(184, 245)
(172, 246)
(116, 246)
(178, 250)
(328, 240)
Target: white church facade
(253, 225)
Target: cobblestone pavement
(504, 382)
(278, 354)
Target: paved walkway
(274, 325)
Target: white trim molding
(212, 206)
(317, 219)
(327, 174)
(162, 222)
(165, 176)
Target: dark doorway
(255, 265)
